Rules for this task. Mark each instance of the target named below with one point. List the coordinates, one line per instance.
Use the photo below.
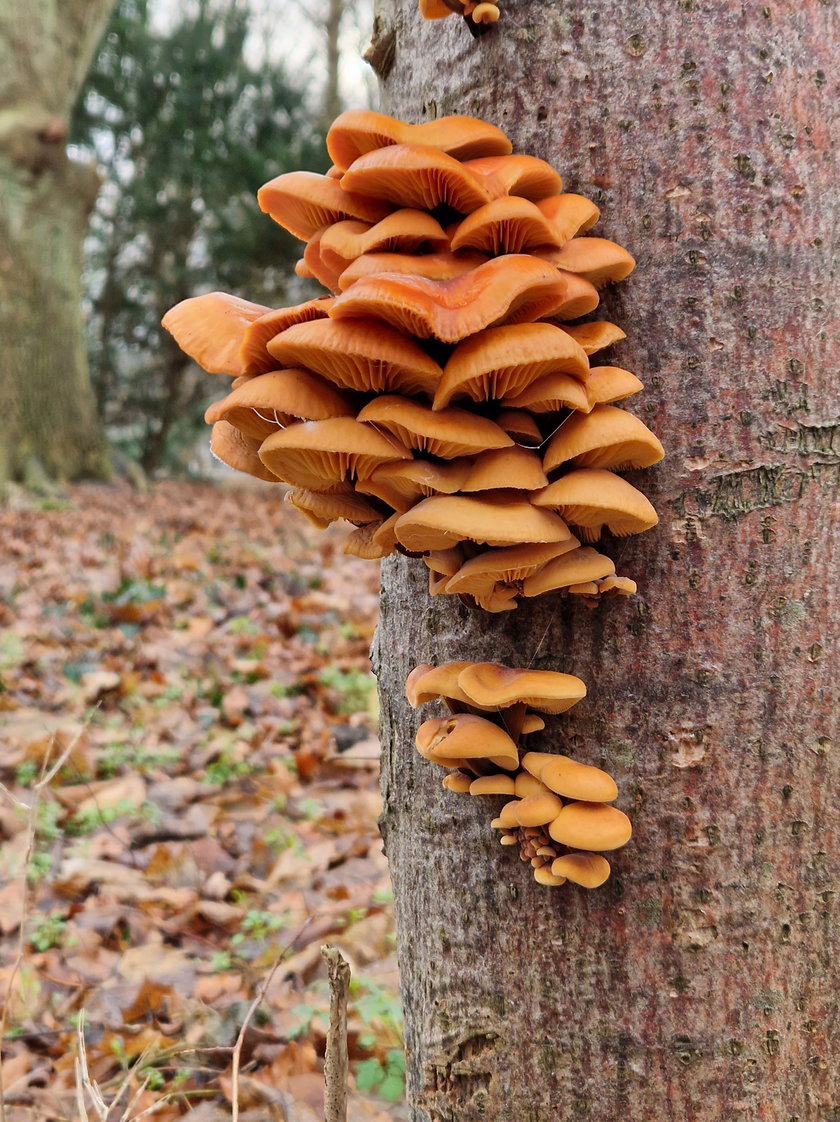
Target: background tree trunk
(47, 410)
(700, 983)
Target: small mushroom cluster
(478, 14)
(438, 400)
(555, 802)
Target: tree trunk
(700, 982)
(332, 35)
(47, 409)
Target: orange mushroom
(211, 328)
(412, 175)
(359, 354)
(447, 433)
(315, 454)
(358, 131)
(253, 353)
(492, 519)
(591, 498)
(261, 405)
(511, 289)
(303, 202)
(605, 438)
(500, 362)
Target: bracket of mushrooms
(438, 400)
(554, 802)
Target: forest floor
(189, 763)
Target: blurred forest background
(188, 750)
(187, 109)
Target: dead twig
(335, 1060)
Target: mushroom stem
(513, 720)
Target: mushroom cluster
(554, 802)
(478, 14)
(439, 399)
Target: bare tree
(700, 983)
(48, 420)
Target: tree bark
(700, 983)
(47, 409)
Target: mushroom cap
(587, 825)
(303, 202)
(514, 467)
(492, 785)
(544, 875)
(513, 563)
(485, 13)
(506, 225)
(511, 289)
(210, 329)
(490, 685)
(433, 266)
(324, 507)
(568, 215)
(314, 453)
(508, 819)
(428, 683)
(466, 736)
(589, 870)
(532, 723)
(596, 335)
(435, 9)
(616, 586)
(521, 426)
(359, 354)
(404, 483)
(591, 498)
(324, 270)
(405, 231)
(413, 175)
(371, 541)
(607, 384)
(517, 174)
(499, 598)
(526, 784)
(358, 131)
(575, 566)
(570, 778)
(239, 451)
(501, 362)
(551, 393)
(447, 433)
(459, 781)
(253, 353)
(269, 401)
(605, 438)
(447, 562)
(538, 810)
(597, 259)
(444, 520)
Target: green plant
(48, 931)
(385, 1079)
(354, 688)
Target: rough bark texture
(47, 409)
(700, 983)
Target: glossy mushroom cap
(447, 433)
(313, 454)
(444, 520)
(304, 202)
(253, 352)
(571, 778)
(465, 736)
(412, 175)
(605, 438)
(586, 869)
(572, 568)
(494, 686)
(210, 329)
(597, 259)
(358, 131)
(358, 354)
(428, 683)
(588, 825)
(239, 451)
(511, 289)
(261, 405)
(590, 498)
(501, 362)
(595, 336)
